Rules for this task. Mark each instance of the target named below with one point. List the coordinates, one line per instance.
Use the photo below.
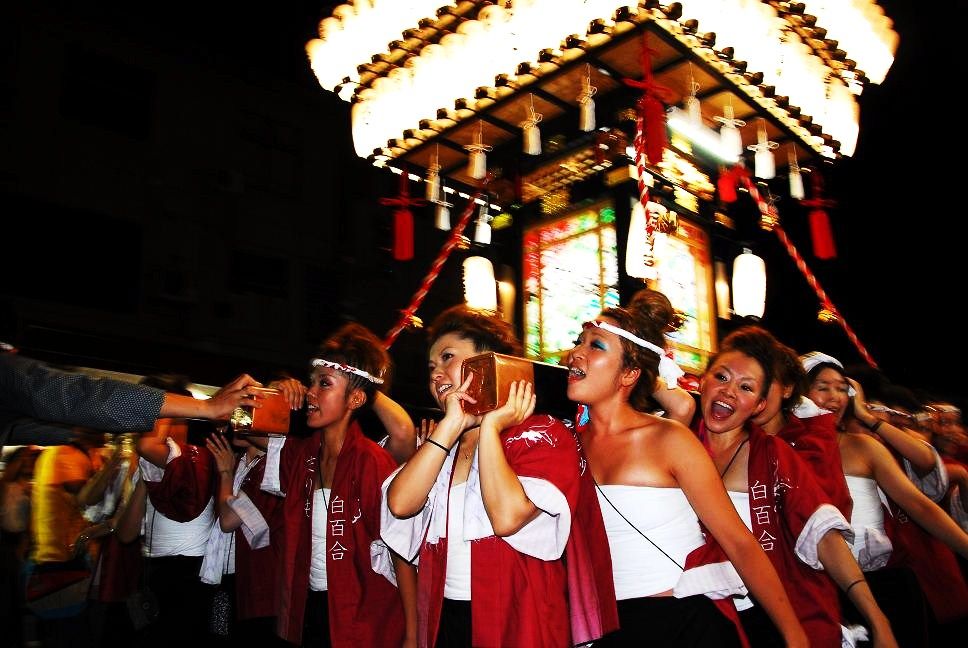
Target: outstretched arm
(913, 449)
(899, 488)
(839, 562)
(218, 407)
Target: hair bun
(654, 307)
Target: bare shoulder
(862, 444)
(673, 440)
(862, 450)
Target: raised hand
(222, 452)
(293, 390)
(520, 405)
(454, 404)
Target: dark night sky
(894, 280)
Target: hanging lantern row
(395, 91)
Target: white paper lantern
(749, 285)
(480, 289)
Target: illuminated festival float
(609, 145)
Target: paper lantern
(480, 289)
(749, 285)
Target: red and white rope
(768, 215)
(431, 277)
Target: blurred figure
(15, 488)
(889, 548)
(68, 478)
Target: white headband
(319, 362)
(812, 359)
(668, 369)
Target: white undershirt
(741, 502)
(164, 536)
(666, 518)
(866, 518)
(867, 510)
(457, 585)
(317, 556)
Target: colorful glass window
(570, 274)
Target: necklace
(465, 453)
(733, 458)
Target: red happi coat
(188, 485)
(784, 496)
(255, 569)
(815, 440)
(364, 607)
(934, 564)
(517, 599)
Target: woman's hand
(454, 415)
(293, 391)
(859, 400)
(520, 405)
(219, 446)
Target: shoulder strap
(615, 508)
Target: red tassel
(403, 219)
(654, 121)
(729, 180)
(402, 235)
(823, 238)
(820, 232)
(651, 106)
(726, 184)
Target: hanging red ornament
(820, 231)
(403, 219)
(729, 180)
(651, 123)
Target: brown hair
(356, 346)
(759, 344)
(487, 332)
(649, 315)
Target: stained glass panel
(570, 274)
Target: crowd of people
(790, 502)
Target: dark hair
(356, 346)
(790, 373)
(899, 396)
(649, 315)
(174, 383)
(485, 331)
(757, 343)
(659, 306)
(787, 369)
(816, 369)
